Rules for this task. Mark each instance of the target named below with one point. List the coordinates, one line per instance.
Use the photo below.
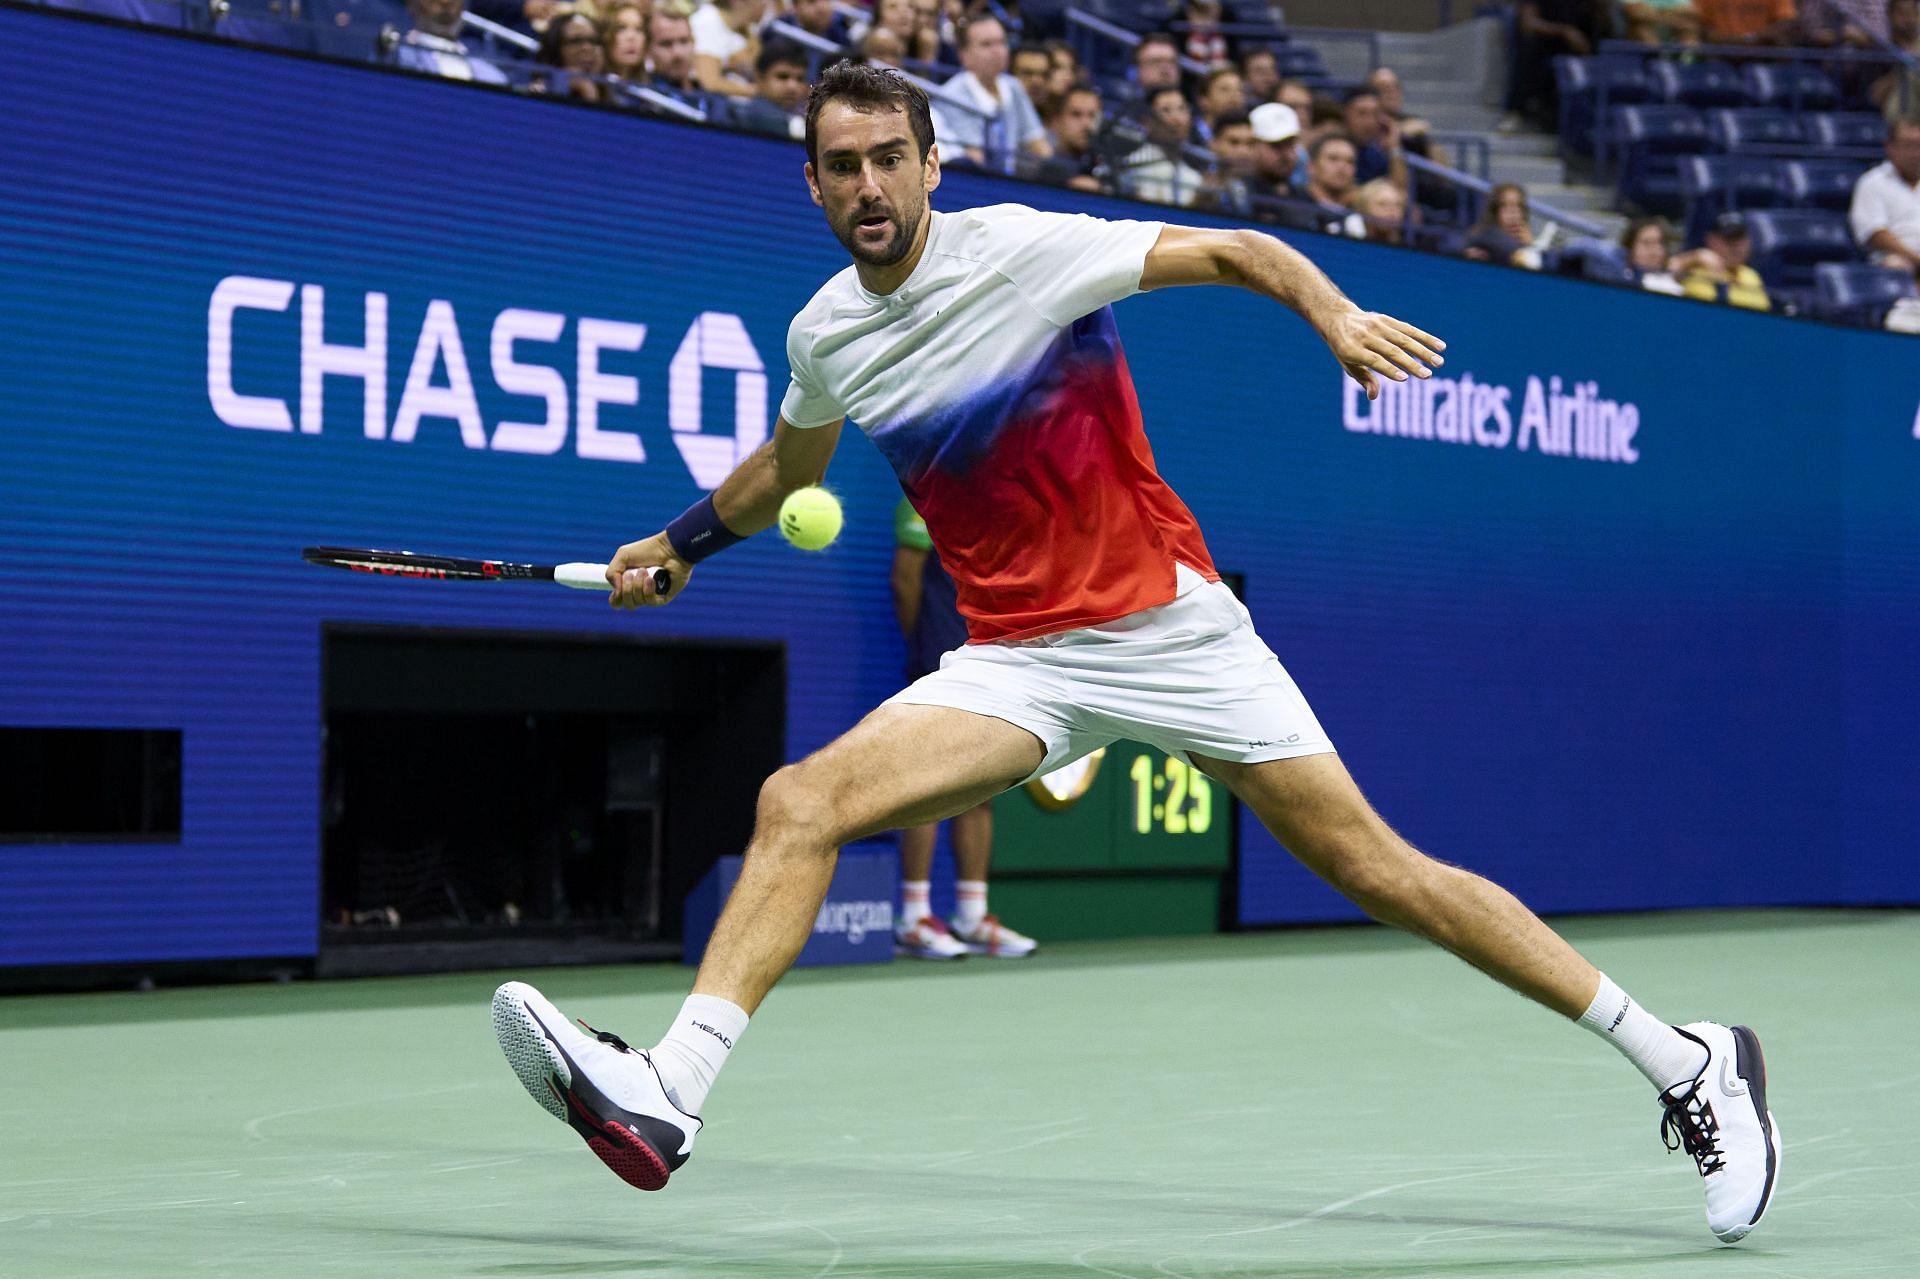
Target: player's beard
(906, 227)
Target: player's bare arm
(1368, 344)
(747, 501)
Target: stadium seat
(1859, 292)
(1712, 184)
(151, 13)
(1822, 184)
(1652, 140)
(1789, 243)
(1300, 62)
(1862, 131)
(1594, 259)
(1795, 87)
(1701, 84)
(351, 28)
(1755, 129)
(273, 33)
(1582, 83)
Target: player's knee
(793, 814)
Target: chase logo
(253, 343)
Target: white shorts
(1188, 677)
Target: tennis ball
(810, 518)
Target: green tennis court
(1327, 1102)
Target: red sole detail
(630, 1158)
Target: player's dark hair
(868, 89)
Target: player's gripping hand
(632, 586)
(1370, 346)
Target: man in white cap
(1276, 139)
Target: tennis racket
(451, 568)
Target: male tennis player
(978, 351)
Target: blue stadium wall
(1658, 651)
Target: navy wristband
(697, 532)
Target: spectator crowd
(1197, 119)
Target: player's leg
(1712, 1078)
(1313, 807)
(973, 923)
(902, 765)
(919, 933)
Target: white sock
(1664, 1055)
(969, 903)
(916, 902)
(690, 1057)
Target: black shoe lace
(606, 1037)
(1689, 1123)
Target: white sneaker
(607, 1092)
(1720, 1117)
(991, 937)
(927, 938)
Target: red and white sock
(916, 902)
(969, 903)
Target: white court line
(1350, 1200)
(251, 1129)
(1080, 1259)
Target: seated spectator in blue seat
(779, 108)
(1033, 68)
(1260, 75)
(726, 40)
(1377, 137)
(820, 18)
(1073, 131)
(1382, 207)
(1885, 216)
(1330, 184)
(1002, 125)
(433, 45)
(933, 34)
(1221, 94)
(1157, 169)
(623, 27)
(1232, 183)
(1546, 29)
(670, 63)
(574, 44)
(1720, 272)
(1504, 231)
(1203, 41)
(1648, 245)
(1156, 66)
(882, 47)
(1660, 21)
(1064, 72)
(1897, 91)
(1276, 148)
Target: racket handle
(593, 577)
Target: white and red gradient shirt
(994, 382)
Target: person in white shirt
(726, 44)
(978, 350)
(1003, 123)
(434, 44)
(1886, 202)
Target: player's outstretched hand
(633, 588)
(1370, 346)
